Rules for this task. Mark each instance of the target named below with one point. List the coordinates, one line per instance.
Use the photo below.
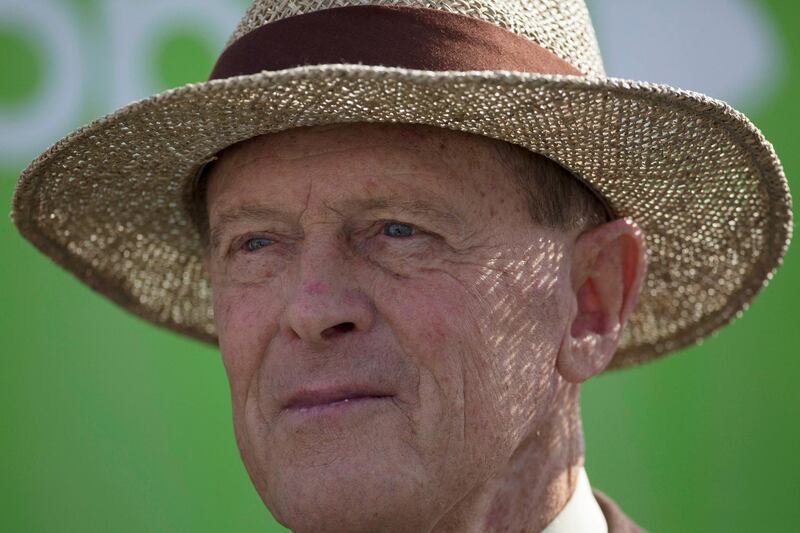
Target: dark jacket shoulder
(617, 521)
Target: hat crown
(561, 26)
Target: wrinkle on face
(464, 325)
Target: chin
(371, 488)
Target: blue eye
(251, 245)
(398, 229)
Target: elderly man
(413, 231)
(405, 314)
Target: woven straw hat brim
(107, 202)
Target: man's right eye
(398, 229)
(256, 243)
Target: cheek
(524, 326)
(430, 321)
(437, 320)
(488, 337)
(426, 320)
(246, 319)
(469, 384)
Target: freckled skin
(461, 324)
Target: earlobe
(608, 270)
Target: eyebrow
(424, 209)
(431, 211)
(244, 212)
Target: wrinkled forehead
(416, 154)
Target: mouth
(342, 405)
(310, 399)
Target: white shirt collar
(581, 514)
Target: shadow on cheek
(522, 325)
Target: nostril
(344, 327)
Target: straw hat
(109, 201)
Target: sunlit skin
(401, 262)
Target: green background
(110, 424)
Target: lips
(307, 398)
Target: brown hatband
(393, 36)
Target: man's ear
(608, 270)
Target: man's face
(389, 319)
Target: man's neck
(536, 483)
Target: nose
(324, 300)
